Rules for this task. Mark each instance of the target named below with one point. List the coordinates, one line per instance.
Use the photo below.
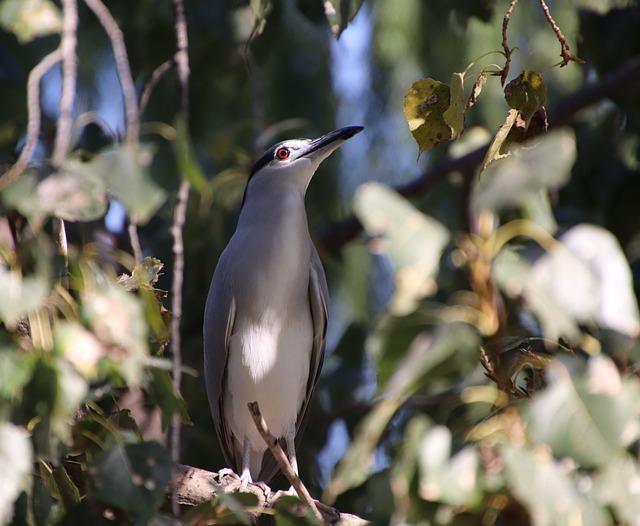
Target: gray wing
(318, 303)
(219, 317)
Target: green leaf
(126, 170)
(584, 419)
(413, 240)
(29, 19)
(340, 12)
(541, 163)
(527, 93)
(73, 193)
(132, 477)
(15, 372)
(547, 491)
(454, 116)
(476, 90)
(589, 277)
(618, 486)
(188, 165)
(16, 464)
(144, 275)
(424, 105)
(428, 358)
(499, 141)
(447, 479)
(117, 319)
(20, 294)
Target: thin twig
(181, 59)
(132, 114)
(156, 76)
(566, 55)
(68, 45)
(136, 248)
(282, 460)
(179, 216)
(504, 73)
(33, 121)
(62, 140)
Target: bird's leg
(245, 477)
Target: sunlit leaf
(340, 12)
(126, 170)
(117, 319)
(454, 115)
(144, 275)
(589, 276)
(15, 371)
(132, 477)
(618, 486)
(424, 105)
(516, 278)
(73, 193)
(445, 478)
(495, 150)
(20, 294)
(80, 347)
(29, 19)
(583, 420)
(413, 241)
(547, 491)
(16, 464)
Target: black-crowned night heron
(266, 314)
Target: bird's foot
(281, 493)
(229, 480)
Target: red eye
(283, 153)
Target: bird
(266, 313)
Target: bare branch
(132, 114)
(136, 248)
(566, 55)
(282, 460)
(156, 76)
(35, 115)
(181, 59)
(68, 45)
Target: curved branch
(624, 78)
(132, 114)
(35, 114)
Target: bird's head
(296, 160)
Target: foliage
(482, 361)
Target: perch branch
(34, 117)
(283, 461)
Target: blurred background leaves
(482, 352)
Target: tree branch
(130, 98)
(181, 59)
(624, 78)
(34, 118)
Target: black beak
(342, 134)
